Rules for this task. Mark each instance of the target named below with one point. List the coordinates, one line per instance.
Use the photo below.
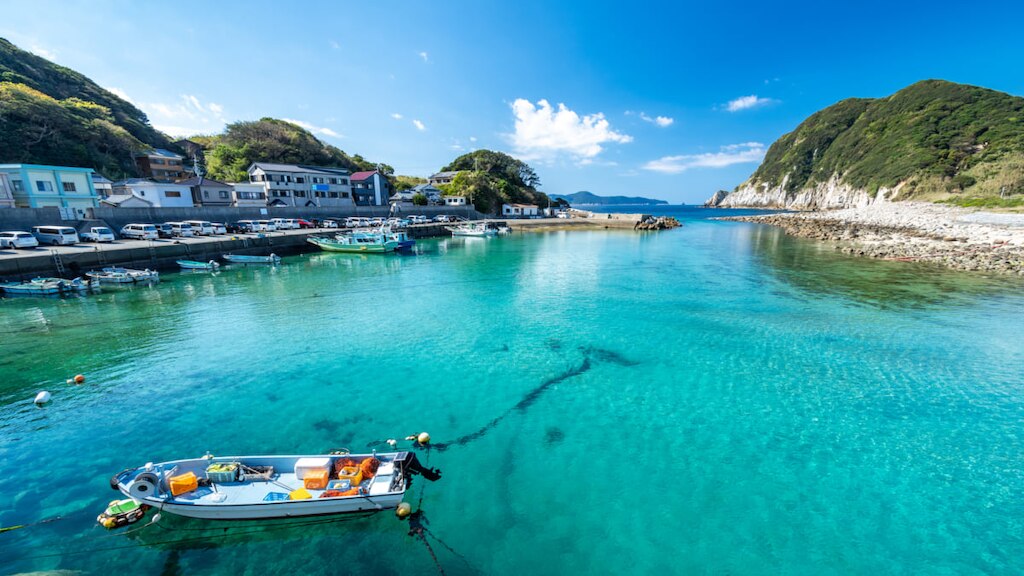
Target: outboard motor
(408, 462)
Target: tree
(489, 179)
(419, 199)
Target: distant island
(584, 198)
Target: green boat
(356, 243)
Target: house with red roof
(370, 188)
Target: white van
(201, 227)
(285, 223)
(181, 229)
(140, 232)
(266, 225)
(56, 235)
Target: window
(344, 181)
(333, 180)
(69, 186)
(344, 194)
(300, 194)
(206, 193)
(142, 192)
(223, 194)
(44, 186)
(17, 186)
(170, 194)
(332, 194)
(300, 180)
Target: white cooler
(304, 466)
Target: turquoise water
(714, 399)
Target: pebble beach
(959, 238)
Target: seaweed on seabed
(553, 435)
(605, 355)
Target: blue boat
(193, 265)
(243, 259)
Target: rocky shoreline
(914, 232)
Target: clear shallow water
(733, 401)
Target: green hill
(228, 155)
(490, 179)
(50, 114)
(935, 140)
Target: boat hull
(191, 265)
(329, 246)
(271, 510)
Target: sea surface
(715, 399)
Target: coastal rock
(913, 232)
(832, 194)
(716, 199)
(659, 223)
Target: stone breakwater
(914, 232)
(657, 223)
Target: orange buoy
(79, 379)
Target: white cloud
(747, 102)
(424, 56)
(40, 51)
(314, 129)
(662, 121)
(472, 138)
(187, 117)
(542, 132)
(121, 94)
(727, 156)
(419, 125)
(396, 116)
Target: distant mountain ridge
(584, 198)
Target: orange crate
(182, 483)
(316, 479)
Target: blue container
(342, 485)
(275, 496)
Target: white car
(219, 228)
(97, 234)
(17, 240)
(140, 232)
(418, 219)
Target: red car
(304, 223)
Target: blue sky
(669, 100)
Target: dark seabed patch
(553, 344)
(553, 435)
(605, 355)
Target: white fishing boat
(116, 275)
(262, 487)
(477, 229)
(45, 287)
(245, 259)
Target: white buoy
(42, 398)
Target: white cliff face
(829, 195)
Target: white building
(296, 185)
(157, 194)
(454, 200)
(519, 210)
(442, 178)
(248, 195)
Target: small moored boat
(45, 287)
(479, 230)
(193, 265)
(260, 487)
(360, 242)
(244, 259)
(116, 275)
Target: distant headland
(584, 198)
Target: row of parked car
(66, 235)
